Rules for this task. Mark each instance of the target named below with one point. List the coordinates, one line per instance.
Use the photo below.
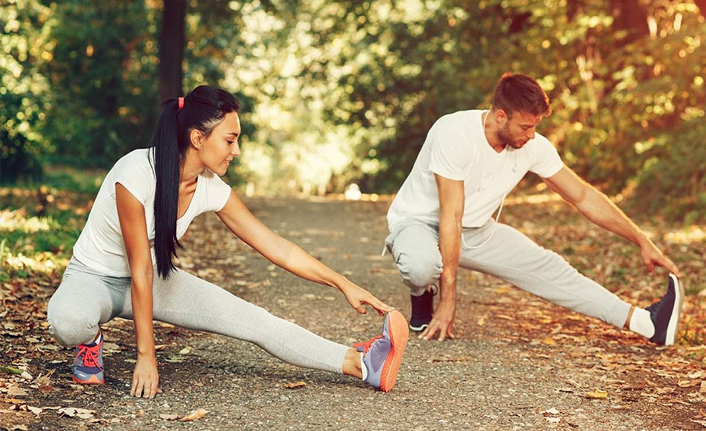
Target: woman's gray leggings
(504, 252)
(86, 298)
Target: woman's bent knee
(71, 327)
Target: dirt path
(517, 363)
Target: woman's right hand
(357, 297)
(145, 379)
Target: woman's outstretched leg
(188, 301)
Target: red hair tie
(181, 102)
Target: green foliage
(630, 94)
(674, 179)
(84, 182)
(23, 90)
(212, 28)
(103, 77)
(615, 89)
(41, 234)
(342, 91)
(42, 221)
(437, 69)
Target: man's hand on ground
(442, 322)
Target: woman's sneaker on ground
(665, 313)
(382, 355)
(88, 364)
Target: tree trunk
(630, 15)
(702, 6)
(171, 49)
(573, 8)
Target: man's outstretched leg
(511, 256)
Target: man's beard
(507, 140)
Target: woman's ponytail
(202, 109)
(167, 160)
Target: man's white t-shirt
(100, 245)
(456, 148)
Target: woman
(123, 260)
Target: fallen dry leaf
(703, 387)
(104, 421)
(175, 359)
(110, 348)
(25, 408)
(294, 385)
(448, 359)
(688, 383)
(43, 379)
(14, 391)
(76, 412)
(598, 394)
(195, 415)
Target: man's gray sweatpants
(87, 298)
(504, 252)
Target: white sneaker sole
(419, 328)
(673, 326)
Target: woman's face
(218, 150)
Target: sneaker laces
(89, 355)
(366, 344)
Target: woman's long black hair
(202, 109)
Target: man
(441, 219)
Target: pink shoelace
(366, 344)
(89, 355)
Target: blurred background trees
(340, 91)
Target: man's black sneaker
(422, 311)
(665, 313)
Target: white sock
(641, 323)
(363, 368)
(97, 340)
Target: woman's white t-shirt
(456, 148)
(100, 245)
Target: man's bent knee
(419, 273)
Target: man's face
(518, 128)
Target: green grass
(41, 221)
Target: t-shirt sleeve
(449, 152)
(137, 176)
(217, 190)
(546, 159)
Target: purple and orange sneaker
(88, 364)
(382, 355)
